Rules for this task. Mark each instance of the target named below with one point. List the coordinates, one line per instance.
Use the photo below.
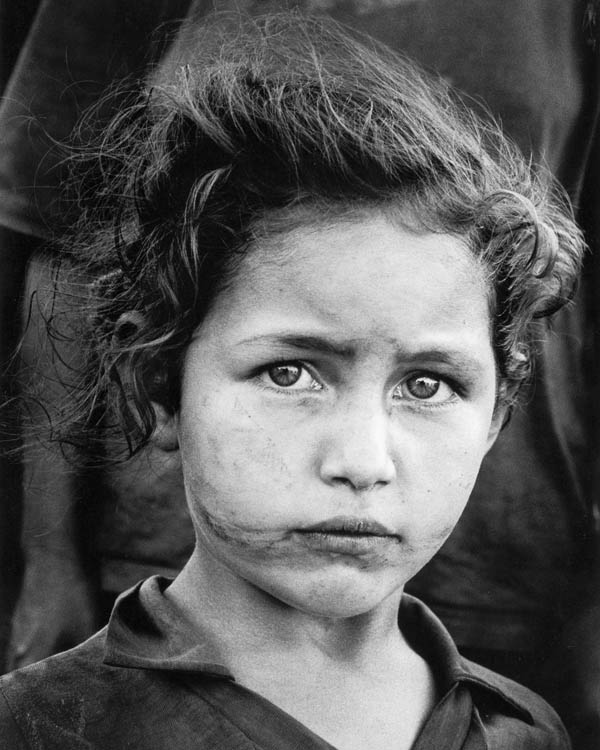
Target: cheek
(448, 476)
(235, 467)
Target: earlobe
(165, 435)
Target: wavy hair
(249, 121)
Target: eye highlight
(425, 388)
(289, 376)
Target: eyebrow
(304, 342)
(348, 350)
(453, 357)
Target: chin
(340, 608)
(338, 599)
(345, 610)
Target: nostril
(360, 485)
(342, 480)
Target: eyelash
(457, 390)
(428, 403)
(288, 391)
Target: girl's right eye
(291, 376)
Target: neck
(247, 620)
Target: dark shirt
(148, 681)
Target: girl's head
(249, 132)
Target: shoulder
(44, 704)
(70, 673)
(71, 699)
(77, 701)
(511, 715)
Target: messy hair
(251, 125)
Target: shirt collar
(429, 638)
(147, 631)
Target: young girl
(315, 279)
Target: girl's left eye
(426, 388)
(291, 376)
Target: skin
(336, 405)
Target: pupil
(423, 387)
(285, 375)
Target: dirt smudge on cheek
(241, 535)
(263, 444)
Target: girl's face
(336, 405)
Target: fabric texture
(149, 681)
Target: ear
(165, 436)
(500, 418)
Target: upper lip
(349, 525)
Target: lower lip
(345, 544)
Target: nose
(356, 449)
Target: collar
(147, 631)
(427, 635)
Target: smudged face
(336, 405)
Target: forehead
(361, 279)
